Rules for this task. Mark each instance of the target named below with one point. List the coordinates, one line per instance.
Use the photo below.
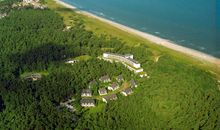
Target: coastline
(156, 40)
(65, 4)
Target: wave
(143, 28)
(112, 18)
(182, 41)
(98, 13)
(216, 53)
(75, 5)
(191, 44)
(201, 48)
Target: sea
(191, 23)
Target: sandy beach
(65, 4)
(157, 40)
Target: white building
(127, 91)
(144, 75)
(105, 79)
(86, 93)
(133, 84)
(135, 70)
(109, 98)
(113, 87)
(27, 1)
(127, 59)
(72, 61)
(34, 77)
(120, 78)
(102, 91)
(87, 102)
(30, 1)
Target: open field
(83, 57)
(44, 73)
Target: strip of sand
(65, 4)
(157, 40)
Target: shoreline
(156, 40)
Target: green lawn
(83, 58)
(98, 108)
(25, 74)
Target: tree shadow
(2, 107)
(39, 58)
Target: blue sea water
(190, 23)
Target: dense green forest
(177, 95)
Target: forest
(177, 96)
